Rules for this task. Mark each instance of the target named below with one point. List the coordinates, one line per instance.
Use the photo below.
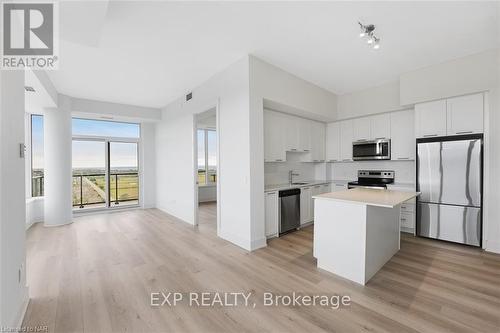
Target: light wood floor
(96, 275)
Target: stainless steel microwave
(371, 150)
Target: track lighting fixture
(367, 33)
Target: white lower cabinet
(316, 189)
(305, 205)
(407, 214)
(407, 219)
(271, 214)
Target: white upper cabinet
(291, 128)
(362, 129)
(317, 141)
(452, 116)
(380, 126)
(283, 132)
(403, 138)
(304, 127)
(274, 137)
(430, 119)
(333, 142)
(346, 139)
(465, 114)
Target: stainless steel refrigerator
(449, 177)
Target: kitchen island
(357, 231)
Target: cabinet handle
(383, 137)
(429, 135)
(346, 159)
(271, 193)
(333, 160)
(306, 150)
(279, 160)
(361, 140)
(465, 132)
(403, 158)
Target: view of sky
(91, 154)
(212, 149)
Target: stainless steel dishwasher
(289, 210)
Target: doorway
(207, 170)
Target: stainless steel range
(373, 179)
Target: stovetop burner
(373, 178)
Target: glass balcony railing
(90, 190)
(37, 186)
(123, 187)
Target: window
(105, 164)
(37, 174)
(102, 128)
(207, 157)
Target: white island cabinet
(357, 231)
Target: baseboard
(173, 215)
(18, 320)
(236, 240)
(258, 244)
(493, 246)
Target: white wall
(282, 91)
(175, 145)
(87, 108)
(383, 98)
(462, 76)
(174, 166)
(58, 191)
(288, 93)
(13, 290)
(147, 151)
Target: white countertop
(279, 187)
(368, 196)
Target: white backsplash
(277, 173)
(404, 170)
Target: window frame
(205, 140)
(31, 115)
(107, 140)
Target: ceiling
(149, 53)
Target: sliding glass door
(123, 173)
(105, 173)
(89, 174)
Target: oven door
(371, 150)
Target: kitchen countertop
(371, 197)
(279, 187)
